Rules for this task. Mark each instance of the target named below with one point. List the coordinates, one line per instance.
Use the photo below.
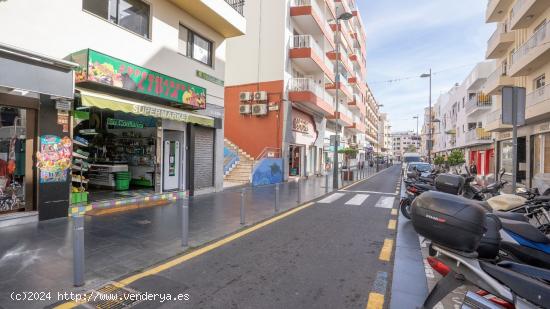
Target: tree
(456, 158)
(410, 148)
(439, 160)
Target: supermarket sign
(99, 68)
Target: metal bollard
(242, 207)
(299, 191)
(326, 183)
(184, 225)
(277, 198)
(78, 250)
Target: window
(539, 82)
(195, 46)
(129, 14)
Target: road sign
(513, 96)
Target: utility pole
(430, 117)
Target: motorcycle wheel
(405, 206)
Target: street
(333, 254)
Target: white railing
(307, 84)
(534, 41)
(538, 96)
(494, 39)
(478, 134)
(345, 111)
(479, 100)
(306, 41)
(317, 9)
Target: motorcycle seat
(528, 270)
(426, 179)
(525, 230)
(485, 205)
(524, 286)
(511, 216)
(542, 198)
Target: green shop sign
(100, 68)
(124, 123)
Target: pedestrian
(473, 168)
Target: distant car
(423, 167)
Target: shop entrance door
(295, 160)
(172, 167)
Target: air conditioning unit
(244, 108)
(259, 109)
(246, 96)
(260, 96)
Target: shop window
(133, 15)
(195, 46)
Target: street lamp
(343, 16)
(429, 75)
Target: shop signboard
(121, 123)
(303, 128)
(103, 69)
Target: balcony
(343, 59)
(224, 16)
(494, 122)
(538, 104)
(358, 126)
(496, 10)
(305, 91)
(498, 79)
(309, 17)
(343, 87)
(533, 54)
(480, 102)
(309, 56)
(343, 117)
(500, 41)
(525, 12)
(478, 136)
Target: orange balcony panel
(307, 18)
(343, 119)
(344, 90)
(309, 59)
(312, 100)
(352, 80)
(333, 56)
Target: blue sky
(405, 38)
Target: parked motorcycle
(465, 249)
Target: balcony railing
(317, 9)
(307, 84)
(479, 100)
(237, 5)
(518, 7)
(495, 76)
(478, 134)
(501, 29)
(307, 41)
(538, 96)
(534, 41)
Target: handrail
(269, 152)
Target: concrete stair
(241, 172)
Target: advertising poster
(54, 158)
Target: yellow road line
(394, 212)
(385, 253)
(200, 251)
(392, 224)
(376, 301)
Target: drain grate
(111, 296)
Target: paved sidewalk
(38, 256)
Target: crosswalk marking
(358, 199)
(385, 202)
(368, 192)
(331, 198)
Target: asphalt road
(324, 256)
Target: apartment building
(145, 108)
(460, 118)
(520, 46)
(403, 142)
(384, 135)
(282, 87)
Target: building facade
(281, 86)
(146, 111)
(460, 119)
(520, 46)
(384, 135)
(403, 142)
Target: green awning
(115, 103)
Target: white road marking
(331, 198)
(357, 200)
(367, 192)
(422, 242)
(428, 269)
(385, 202)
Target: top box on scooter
(449, 220)
(449, 183)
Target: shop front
(35, 95)
(505, 160)
(483, 157)
(540, 154)
(136, 133)
(305, 156)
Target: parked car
(407, 158)
(423, 167)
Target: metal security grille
(238, 5)
(110, 296)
